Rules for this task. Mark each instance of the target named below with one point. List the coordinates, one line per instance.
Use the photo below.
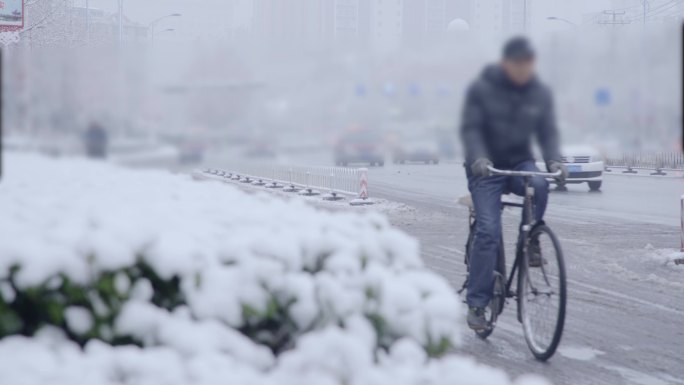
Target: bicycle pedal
(490, 326)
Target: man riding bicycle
(504, 109)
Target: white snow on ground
(579, 353)
(230, 250)
(379, 205)
(667, 257)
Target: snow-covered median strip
(319, 200)
(144, 277)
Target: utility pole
(120, 22)
(87, 6)
(525, 16)
(645, 4)
(614, 21)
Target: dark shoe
(534, 253)
(476, 319)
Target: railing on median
(333, 182)
(658, 162)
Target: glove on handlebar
(555, 166)
(479, 167)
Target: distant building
(516, 16)
(346, 19)
(487, 17)
(304, 22)
(427, 20)
(436, 17)
(497, 18)
(386, 23)
(104, 26)
(273, 20)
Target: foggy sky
(201, 18)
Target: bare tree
(54, 23)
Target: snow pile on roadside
(674, 258)
(215, 284)
(668, 257)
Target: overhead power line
(656, 11)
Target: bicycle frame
(523, 239)
(528, 215)
(502, 285)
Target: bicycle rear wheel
(542, 295)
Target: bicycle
(538, 288)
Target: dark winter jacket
(500, 119)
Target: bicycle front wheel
(542, 295)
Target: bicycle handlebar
(496, 171)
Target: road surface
(625, 314)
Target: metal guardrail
(333, 183)
(658, 162)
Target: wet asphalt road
(625, 315)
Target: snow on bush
(165, 280)
(332, 355)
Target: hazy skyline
(202, 18)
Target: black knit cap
(518, 48)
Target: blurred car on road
(360, 146)
(260, 149)
(585, 165)
(424, 151)
(191, 152)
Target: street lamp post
(154, 23)
(166, 30)
(566, 21)
(151, 25)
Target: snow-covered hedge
(165, 280)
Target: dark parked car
(263, 149)
(191, 152)
(360, 146)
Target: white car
(584, 163)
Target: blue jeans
(486, 193)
